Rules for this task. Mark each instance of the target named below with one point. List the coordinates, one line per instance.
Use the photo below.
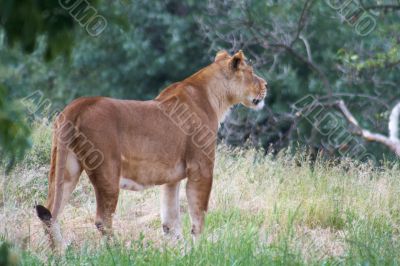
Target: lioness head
(242, 84)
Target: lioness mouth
(258, 99)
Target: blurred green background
(300, 47)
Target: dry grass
(345, 213)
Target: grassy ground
(263, 211)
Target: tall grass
(263, 211)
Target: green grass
(234, 246)
(263, 211)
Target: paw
(172, 233)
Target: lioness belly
(139, 176)
(125, 183)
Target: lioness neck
(215, 84)
(209, 82)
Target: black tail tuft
(43, 213)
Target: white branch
(307, 45)
(347, 114)
(394, 123)
(391, 142)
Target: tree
(311, 48)
(14, 132)
(23, 22)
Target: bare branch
(392, 143)
(310, 64)
(302, 20)
(308, 49)
(347, 114)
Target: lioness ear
(221, 55)
(237, 59)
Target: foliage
(24, 21)
(14, 132)
(157, 46)
(8, 256)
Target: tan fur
(146, 143)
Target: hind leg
(106, 200)
(106, 186)
(50, 219)
(170, 214)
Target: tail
(62, 135)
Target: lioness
(126, 144)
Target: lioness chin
(126, 144)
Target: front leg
(198, 193)
(170, 213)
